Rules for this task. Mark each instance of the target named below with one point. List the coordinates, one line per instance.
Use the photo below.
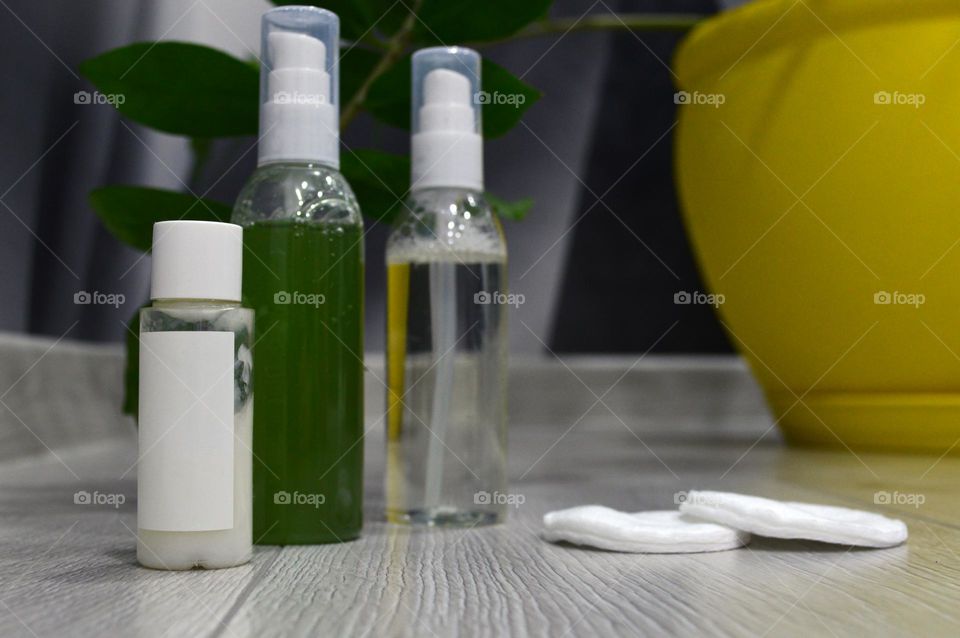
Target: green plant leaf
(179, 88)
(457, 21)
(389, 96)
(514, 211)
(379, 180)
(505, 98)
(355, 65)
(200, 148)
(129, 212)
(357, 17)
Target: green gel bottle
(303, 271)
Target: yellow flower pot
(818, 162)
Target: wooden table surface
(582, 431)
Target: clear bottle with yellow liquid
(446, 314)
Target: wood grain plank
(505, 580)
(70, 570)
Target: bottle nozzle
(298, 100)
(447, 149)
(296, 50)
(446, 102)
(443, 86)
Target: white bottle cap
(197, 260)
(446, 147)
(298, 86)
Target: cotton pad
(782, 519)
(660, 532)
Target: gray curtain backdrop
(56, 254)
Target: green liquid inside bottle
(304, 280)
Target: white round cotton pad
(662, 532)
(782, 519)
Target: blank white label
(185, 467)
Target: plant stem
(612, 22)
(396, 47)
(200, 147)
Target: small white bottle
(194, 486)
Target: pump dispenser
(303, 276)
(446, 313)
(446, 147)
(298, 114)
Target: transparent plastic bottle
(446, 362)
(303, 276)
(446, 330)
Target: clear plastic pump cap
(446, 148)
(299, 82)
